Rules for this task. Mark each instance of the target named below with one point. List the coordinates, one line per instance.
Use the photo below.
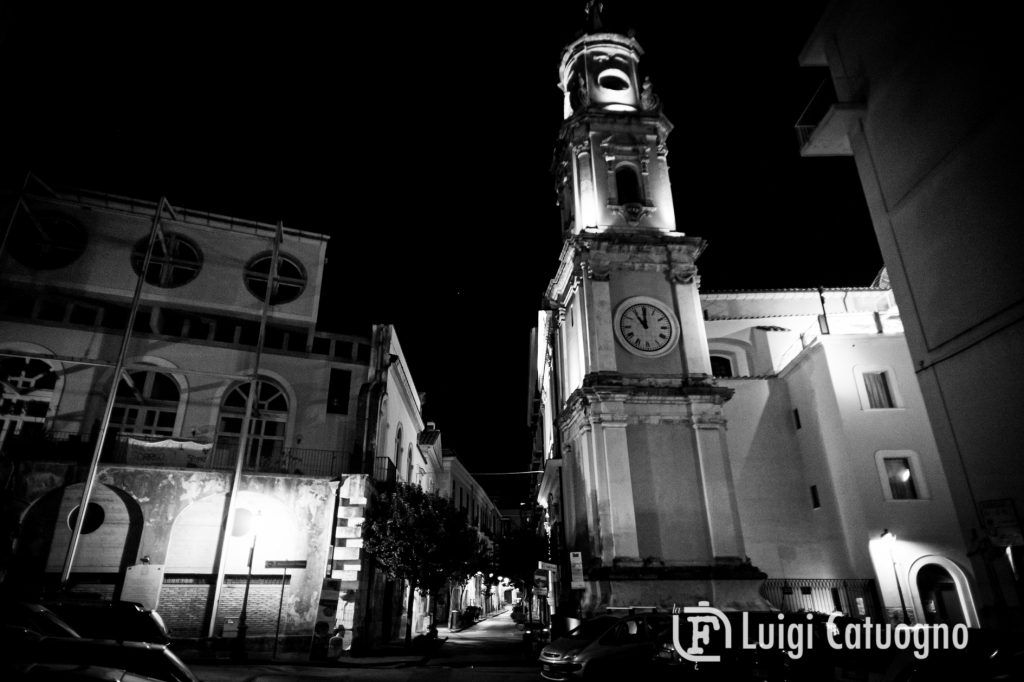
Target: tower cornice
(597, 253)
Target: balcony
(158, 451)
(822, 129)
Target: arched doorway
(108, 545)
(939, 596)
(942, 593)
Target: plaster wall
(105, 269)
(671, 518)
(929, 519)
(783, 534)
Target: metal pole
(899, 589)
(239, 644)
(243, 439)
(90, 479)
(280, 607)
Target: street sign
(283, 563)
(547, 566)
(576, 566)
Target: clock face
(646, 327)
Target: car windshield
(593, 628)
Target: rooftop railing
(150, 450)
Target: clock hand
(644, 321)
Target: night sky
(420, 138)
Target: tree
(420, 538)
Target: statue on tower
(648, 100)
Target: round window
(46, 241)
(288, 282)
(176, 260)
(93, 518)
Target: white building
(925, 101)
(334, 415)
(696, 445)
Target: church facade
(729, 448)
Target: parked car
(64, 672)
(535, 636)
(141, 658)
(603, 646)
(34, 617)
(123, 621)
(735, 662)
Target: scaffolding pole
(243, 441)
(90, 479)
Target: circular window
(288, 282)
(93, 518)
(46, 241)
(176, 260)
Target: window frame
(167, 264)
(891, 383)
(298, 284)
(916, 474)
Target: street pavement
(490, 650)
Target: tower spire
(593, 12)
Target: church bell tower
(645, 488)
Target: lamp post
(890, 540)
(239, 652)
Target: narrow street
(491, 650)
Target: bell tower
(612, 156)
(637, 431)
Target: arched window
(721, 366)
(28, 386)
(408, 465)
(266, 428)
(146, 403)
(627, 186)
(398, 450)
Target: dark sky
(420, 137)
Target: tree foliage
(419, 537)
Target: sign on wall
(576, 568)
(142, 584)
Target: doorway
(939, 596)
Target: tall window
(900, 478)
(627, 186)
(28, 386)
(146, 403)
(398, 453)
(878, 390)
(267, 424)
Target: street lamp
(890, 541)
(239, 649)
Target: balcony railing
(140, 450)
(855, 597)
(822, 127)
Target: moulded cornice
(614, 399)
(675, 254)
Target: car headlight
(569, 655)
